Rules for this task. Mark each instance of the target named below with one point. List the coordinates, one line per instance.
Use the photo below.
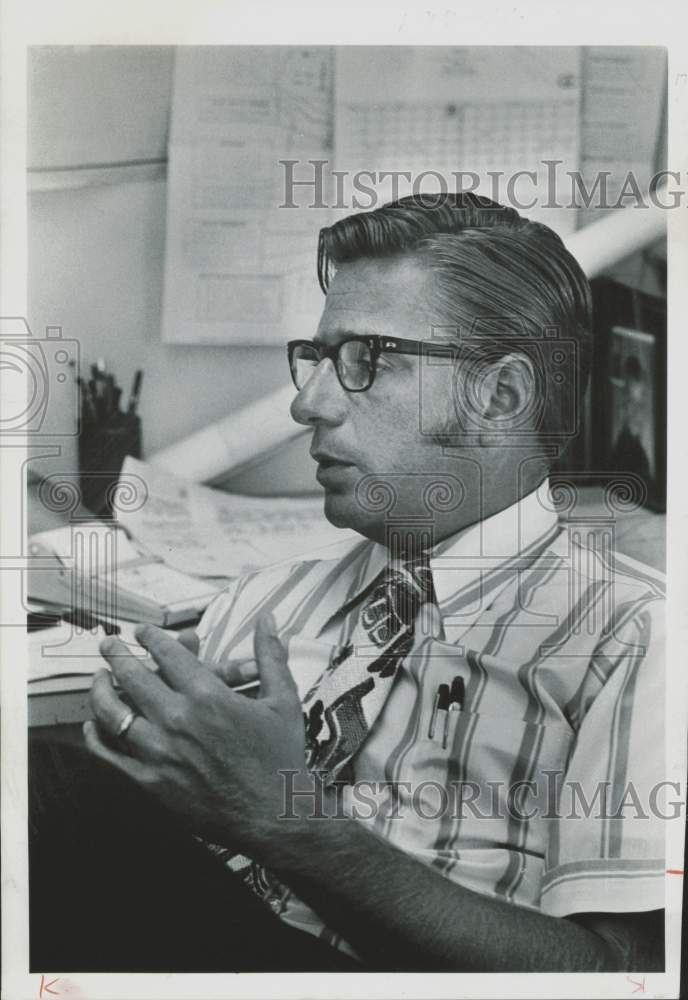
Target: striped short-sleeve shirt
(544, 789)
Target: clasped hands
(209, 753)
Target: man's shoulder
(321, 559)
(592, 558)
(299, 573)
(293, 590)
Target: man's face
(378, 431)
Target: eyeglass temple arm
(398, 345)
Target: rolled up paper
(619, 234)
(236, 441)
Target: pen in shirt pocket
(447, 699)
(457, 693)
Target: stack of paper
(204, 532)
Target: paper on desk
(204, 532)
(163, 585)
(66, 649)
(99, 538)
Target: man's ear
(507, 393)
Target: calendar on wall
(362, 125)
(472, 117)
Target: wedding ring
(125, 724)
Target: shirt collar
(486, 546)
(462, 559)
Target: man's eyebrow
(342, 333)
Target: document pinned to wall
(440, 111)
(623, 99)
(240, 240)
(204, 532)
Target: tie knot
(409, 585)
(393, 605)
(417, 574)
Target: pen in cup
(135, 392)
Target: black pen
(135, 391)
(88, 410)
(108, 395)
(457, 693)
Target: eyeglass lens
(354, 364)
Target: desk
(57, 705)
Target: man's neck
(408, 542)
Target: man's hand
(189, 640)
(207, 752)
(232, 672)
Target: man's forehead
(378, 296)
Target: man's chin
(343, 512)
(339, 511)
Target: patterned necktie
(341, 707)
(345, 702)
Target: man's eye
(355, 371)
(390, 367)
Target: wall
(95, 269)
(98, 116)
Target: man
(463, 657)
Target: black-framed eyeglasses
(354, 359)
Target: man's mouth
(330, 468)
(327, 461)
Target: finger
(189, 640)
(109, 712)
(236, 672)
(129, 765)
(275, 679)
(176, 665)
(147, 691)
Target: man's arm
(218, 759)
(399, 913)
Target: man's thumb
(271, 656)
(188, 637)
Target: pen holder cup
(102, 450)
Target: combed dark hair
(495, 272)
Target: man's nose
(322, 399)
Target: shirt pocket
(494, 750)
